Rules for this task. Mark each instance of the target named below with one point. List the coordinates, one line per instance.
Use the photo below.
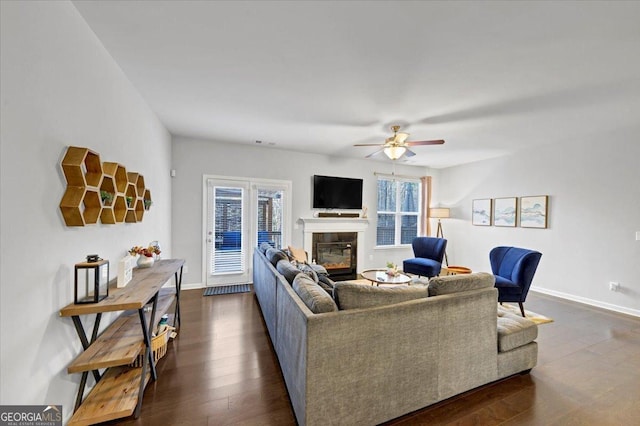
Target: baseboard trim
(586, 301)
(192, 286)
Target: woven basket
(158, 348)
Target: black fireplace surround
(337, 252)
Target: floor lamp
(440, 213)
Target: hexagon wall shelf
(88, 179)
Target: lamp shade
(439, 213)
(395, 152)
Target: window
(398, 211)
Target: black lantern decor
(91, 281)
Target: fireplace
(337, 252)
(334, 227)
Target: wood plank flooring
(222, 370)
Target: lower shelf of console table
(118, 390)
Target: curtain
(426, 199)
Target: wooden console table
(118, 391)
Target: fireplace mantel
(312, 225)
(334, 224)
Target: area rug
(227, 289)
(537, 318)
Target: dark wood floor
(222, 370)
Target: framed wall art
(534, 211)
(481, 212)
(504, 211)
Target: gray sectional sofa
(357, 354)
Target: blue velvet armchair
(428, 252)
(513, 268)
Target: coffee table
(380, 276)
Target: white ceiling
(488, 77)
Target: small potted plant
(392, 269)
(129, 201)
(107, 198)
(147, 203)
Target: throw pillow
(312, 295)
(298, 254)
(354, 296)
(457, 283)
(307, 269)
(320, 270)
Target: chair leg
(521, 308)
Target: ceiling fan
(396, 146)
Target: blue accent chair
(513, 268)
(428, 252)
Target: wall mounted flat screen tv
(331, 192)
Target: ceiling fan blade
(373, 154)
(369, 144)
(409, 153)
(401, 137)
(434, 142)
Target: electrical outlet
(637, 235)
(370, 257)
(185, 268)
(614, 286)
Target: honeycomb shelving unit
(88, 178)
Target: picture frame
(534, 211)
(505, 211)
(481, 212)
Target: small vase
(144, 261)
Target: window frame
(398, 213)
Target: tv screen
(336, 193)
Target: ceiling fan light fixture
(395, 152)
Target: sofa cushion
(353, 296)
(316, 299)
(287, 269)
(514, 331)
(275, 255)
(457, 283)
(264, 247)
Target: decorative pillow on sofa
(298, 254)
(319, 269)
(316, 299)
(354, 296)
(275, 255)
(307, 269)
(457, 283)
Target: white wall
(60, 87)
(594, 213)
(194, 158)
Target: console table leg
(85, 344)
(143, 375)
(176, 315)
(147, 341)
